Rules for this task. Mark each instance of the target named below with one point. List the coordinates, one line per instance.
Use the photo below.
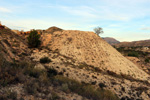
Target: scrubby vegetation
(12, 73)
(45, 60)
(133, 54)
(132, 51)
(120, 76)
(147, 60)
(9, 95)
(86, 90)
(35, 80)
(137, 55)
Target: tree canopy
(98, 30)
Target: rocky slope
(87, 47)
(125, 88)
(76, 59)
(13, 46)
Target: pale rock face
(39, 67)
(89, 48)
(145, 95)
(39, 56)
(133, 59)
(46, 38)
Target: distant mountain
(53, 29)
(111, 41)
(134, 43)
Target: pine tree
(33, 39)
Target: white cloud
(118, 10)
(93, 13)
(145, 28)
(5, 10)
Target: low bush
(32, 72)
(85, 90)
(12, 95)
(141, 89)
(31, 87)
(121, 49)
(51, 72)
(54, 96)
(43, 78)
(102, 85)
(65, 88)
(147, 60)
(8, 95)
(133, 54)
(45, 60)
(12, 73)
(9, 75)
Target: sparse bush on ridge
(98, 30)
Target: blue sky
(125, 20)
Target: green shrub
(120, 49)
(51, 72)
(147, 60)
(31, 87)
(102, 85)
(33, 39)
(31, 71)
(133, 54)
(45, 60)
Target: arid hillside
(13, 46)
(68, 65)
(87, 47)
